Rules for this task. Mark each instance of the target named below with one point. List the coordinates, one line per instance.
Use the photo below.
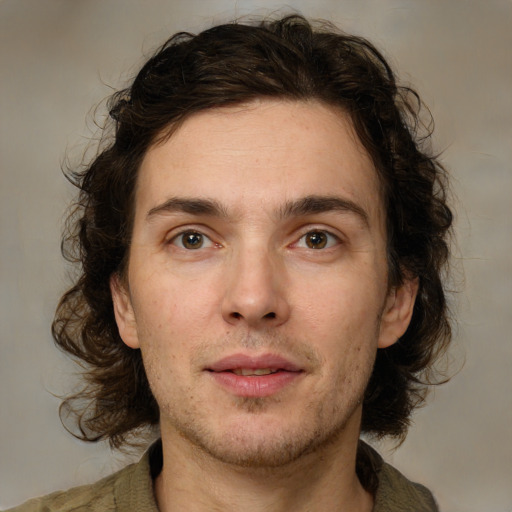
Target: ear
(123, 312)
(397, 313)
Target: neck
(324, 481)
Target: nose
(255, 291)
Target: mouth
(260, 376)
(248, 372)
(245, 364)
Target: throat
(199, 483)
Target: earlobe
(123, 312)
(398, 312)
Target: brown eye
(192, 240)
(316, 239)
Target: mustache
(299, 351)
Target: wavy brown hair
(292, 59)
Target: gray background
(59, 58)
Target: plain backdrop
(60, 58)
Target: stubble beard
(322, 425)
(327, 423)
(279, 451)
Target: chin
(260, 441)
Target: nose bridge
(254, 291)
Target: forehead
(264, 153)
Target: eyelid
(177, 232)
(206, 242)
(317, 229)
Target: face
(257, 285)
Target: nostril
(236, 316)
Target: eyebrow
(193, 206)
(308, 205)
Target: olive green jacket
(131, 490)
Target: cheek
(342, 322)
(347, 304)
(172, 316)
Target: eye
(191, 240)
(317, 240)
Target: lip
(286, 373)
(272, 361)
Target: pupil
(192, 240)
(316, 240)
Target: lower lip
(255, 386)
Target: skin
(260, 270)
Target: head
(288, 60)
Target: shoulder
(398, 494)
(394, 492)
(97, 496)
(130, 489)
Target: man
(261, 246)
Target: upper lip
(245, 361)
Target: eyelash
(334, 240)
(180, 236)
(178, 240)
